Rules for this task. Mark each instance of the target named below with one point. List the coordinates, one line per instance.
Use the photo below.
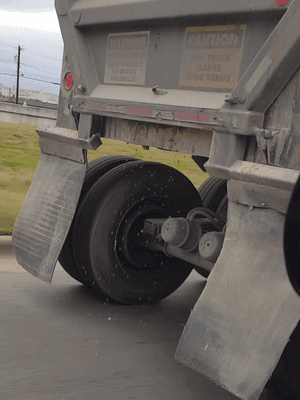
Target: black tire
(108, 231)
(212, 192)
(223, 208)
(284, 383)
(95, 170)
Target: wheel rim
(131, 244)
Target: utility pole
(18, 74)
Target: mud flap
(45, 218)
(240, 325)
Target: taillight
(68, 81)
(282, 2)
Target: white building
(31, 94)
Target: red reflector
(282, 2)
(69, 81)
(192, 117)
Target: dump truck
(218, 80)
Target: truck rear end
(217, 80)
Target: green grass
(20, 153)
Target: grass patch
(20, 153)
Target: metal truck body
(218, 80)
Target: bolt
(263, 204)
(267, 134)
(81, 88)
(235, 200)
(250, 208)
(76, 17)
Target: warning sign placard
(212, 56)
(126, 58)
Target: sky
(33, 25)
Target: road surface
(62, 342)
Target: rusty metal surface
(261, 196)
(190, 141)
(241, 323)
(198, 115)
(45, 218)
(284, 115)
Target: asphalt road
(62, 342)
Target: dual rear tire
(105, 247)
(213, 193)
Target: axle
(196, 240)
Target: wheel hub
(131, 242)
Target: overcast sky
(33, 25)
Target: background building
(31, 94)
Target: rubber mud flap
(242, 321)
(45, 218)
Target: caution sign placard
(126, 58)
(212, 56)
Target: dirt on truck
(218, 80)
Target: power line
(47, 72)
(33, 79)
(7, 45)
(41, 80)
(17, 58)
(45, 87)
(34, 51)
(2, 60)
(27, 65)
(3, 73)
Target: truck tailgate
(148, 57)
